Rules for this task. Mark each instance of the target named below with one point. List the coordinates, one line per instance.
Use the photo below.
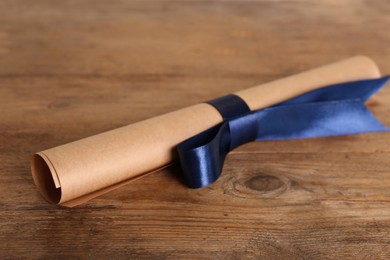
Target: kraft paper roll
(76, 172)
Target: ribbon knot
(333, 110)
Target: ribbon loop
(203, 155)
(333, 110)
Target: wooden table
(72, 69)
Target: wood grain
(71, 69)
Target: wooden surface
(71, 69)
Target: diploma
(76, 172)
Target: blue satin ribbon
(329, 111)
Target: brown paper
(76, 172)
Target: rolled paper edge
(45, 177)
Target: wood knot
(257, 184)
(264, 183)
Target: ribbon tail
(361, 90)
(316, 120)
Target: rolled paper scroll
(76, 172)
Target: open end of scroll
(44, 180)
